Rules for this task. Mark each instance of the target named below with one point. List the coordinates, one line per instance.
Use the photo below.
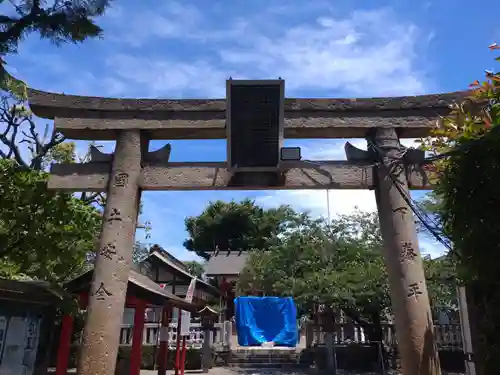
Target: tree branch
(10, 120)
(20, 25)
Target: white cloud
(156, 77)
(431, 247)
(182, 254)
(366, 53)
(341, 201)
(170, 21)
(178, 50)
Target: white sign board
(185, 323)
(190, 291)
(186, 315)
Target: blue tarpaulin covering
(265, 319)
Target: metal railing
(447, 335)
(221, 336)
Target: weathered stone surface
(49, 105)
(410, 301)
(80, 117)
(114, 258)
(216, 176)
(301, 125)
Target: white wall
(154, 316)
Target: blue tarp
(265, 319)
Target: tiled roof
(227, 263)
(147, 288)
(167, 261)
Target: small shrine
(225, 266)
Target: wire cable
(426, 221)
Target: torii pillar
(114, 258)
(410, 301)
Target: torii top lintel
(96, 118)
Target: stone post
(328, 322)
(114, 257)
(410, 301)
(309, 334)
(206, 356)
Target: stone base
(266, 357)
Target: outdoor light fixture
(290, 154)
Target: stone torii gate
(254, 119)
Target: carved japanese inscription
(108, 251)
(114, 215)
(401, 211)
(101, 293)
(414, 290)
(121, 179)
(408, 252)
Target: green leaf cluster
(235, 225)
(61, 21)
(467, 182)
(194, 268)
(339, 264)
(43, 234)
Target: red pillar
(137, 335)
(64, 345)
(178, 344)
(163, 352)
(183, 355)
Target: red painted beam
(163, 352)
(137, 334)
(178, 344)
(64, 345)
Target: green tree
(466, 146)
(195, 268)
(21, 141)
(60, 22)
(140, 252)
(335, 265)
(340, 264)
(441, 276)
(44, 234)
(235, 225)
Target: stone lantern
(208, 318)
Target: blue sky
(187, 49)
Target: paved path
(215, 371)
(234, 371)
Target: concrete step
(271, 366)
(272, 358)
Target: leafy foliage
(441, 276)
(235, 225)
(194, 268)
(140, 252)
(20, 140)
(44, 234)
(467, 182)
(340, 264)
(62, 21)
